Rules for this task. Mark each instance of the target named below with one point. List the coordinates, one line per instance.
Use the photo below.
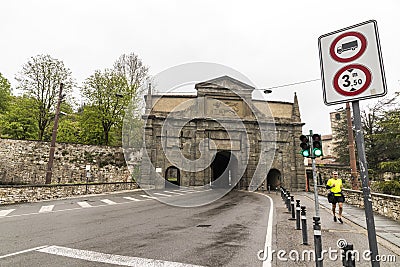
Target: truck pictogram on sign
(347, 46)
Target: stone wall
(31, 193)
(386, 205)
(25, 162)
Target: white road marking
(268, 237)
(132, 198)
(107, 201)
(46, 208)
(5, 212)
(160, 194)
(22, 251)
(84, 204)
(94, 256)
(183, 191)
(146, 196)
(170, 192)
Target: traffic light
(317, 145)
(305, 146)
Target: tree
(105, 92)
(375, 141)
(19, 121)
(109, 92)
(40, 78)
(135, 73)
(5, 94)
(380, 123)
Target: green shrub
(387, 187)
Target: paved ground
(288, 239)
(133, 230)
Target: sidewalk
(353, 230)
(386, 228)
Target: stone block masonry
(34, 193)
(25, 162)
(386, 205)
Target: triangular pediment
(225, 82)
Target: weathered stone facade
(29, 193)
(222, 118)
(25, 162)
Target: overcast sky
(273, 43)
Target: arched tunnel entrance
(224, 170)
(273, 179)
(172, 177)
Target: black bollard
(288, 202)
(348, 256)
(298, 214)
(304, 225)
(292, 208)
(318, 242)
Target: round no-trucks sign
(348, 46)
(351, 64)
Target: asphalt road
(128, 229)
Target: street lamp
(49, 171)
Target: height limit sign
(351, 64)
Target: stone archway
(172, 177)
(273, 179)
(223, 169)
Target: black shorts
(338, 199)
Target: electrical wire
(290, 84)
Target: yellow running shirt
(338, 185)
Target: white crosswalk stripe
(146, 196)
(46, 208)
(160, 194)
(84, 204)
(132, 198)
(5, 212)
(170, 192)
(107, 201)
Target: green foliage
(40, 78)
(19, 122)
(5, 94)
(69, 129)
(387, 187)
(381, 127)
(108, 93)
(90, 126)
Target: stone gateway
(221, 137)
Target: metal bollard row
(318, 242)
(304, 225)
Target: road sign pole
(369, 216)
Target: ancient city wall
(25, 162)
(11, 194)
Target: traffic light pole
(369, 216)
(314, 171)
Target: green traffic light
(305, 153)
(317, 152)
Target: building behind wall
(224, 114)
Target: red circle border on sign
(337, 39)
(368, 77)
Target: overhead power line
(290, 84)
